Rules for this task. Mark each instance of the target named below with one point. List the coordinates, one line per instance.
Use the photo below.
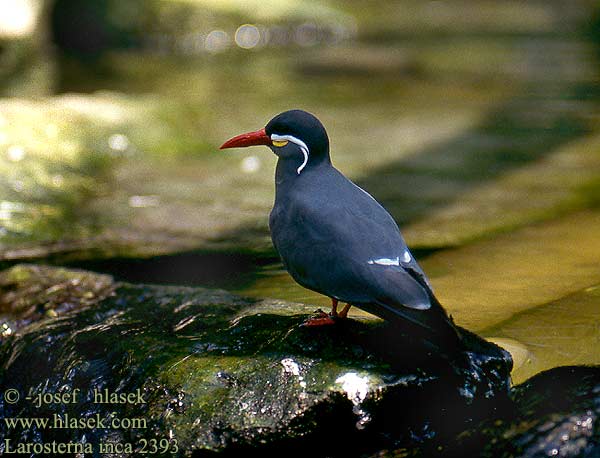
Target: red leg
(334, 304)
(323, 319)
(344, 312)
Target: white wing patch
(419, 306)
(406, 258)
(297, 141)
(385, 261)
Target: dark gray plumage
(334, 238)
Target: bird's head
(292, 135)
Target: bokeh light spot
(18, 185)
(118, 142)
(247, 36)
(306, 34)
(17, 17)
(144, 201)
(58, 180)
(15, 153)
(250, 164)
(216, 41)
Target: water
(478, 132)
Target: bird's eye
(279, 143)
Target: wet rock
(555, 413)
(559, 412)
(29, 293)
(213, 372)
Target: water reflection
(462, 135)
(356, 388)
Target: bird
(334, 238)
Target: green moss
(219, 371)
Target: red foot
(320, 318)
(319, 321)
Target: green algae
(59, 157)
(29, 294)
(219, 372)
(562, 332)
(487, 282)
(558, 184)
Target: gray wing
(355, 253)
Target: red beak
(259, 137)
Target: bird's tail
(433, 325)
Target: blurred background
(475, 122)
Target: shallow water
(483, 145)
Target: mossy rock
(220, 373)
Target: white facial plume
(297, 141)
